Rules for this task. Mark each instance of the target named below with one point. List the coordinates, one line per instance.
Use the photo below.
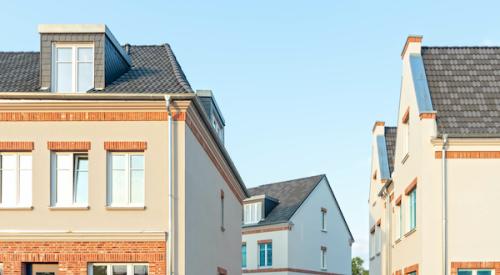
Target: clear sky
(300, 83)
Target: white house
(295, 227)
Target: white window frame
(266, 260)
(474, 271)
(323, 221)
(128, 155)
(252, 213)
(17, 183)
(54, 173)
(397, 223)
(1, 268)
(409, 210)
(378, 239)
(130, 267)
(372, 244)
(243, 259)
(74, 65)
(323, 265)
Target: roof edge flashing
(383, 160)
(420, 84)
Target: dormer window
(253, 213)
(73, 68)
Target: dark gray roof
(291, 194)
(464, 83)
(390, 144)
(154, 70)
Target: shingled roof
(464, 84)
(390, 143)
(154, 70)
(291, 194)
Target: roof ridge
(460, 47)
(287, 181)
(178, 72)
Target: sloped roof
(154, 70)
(464, 84)
(390, 143)
(291, 194)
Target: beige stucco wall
(97, 217)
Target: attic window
(72, 68)
(253, 213)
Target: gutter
(445, 205)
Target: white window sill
(410, 232)
(405, 158)
(125, 207)
(69, 207)
(324, 269)
(16, 208)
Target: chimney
(378, 128)
(413, 45)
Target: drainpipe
(170, 236)
(445, 205)
(389, 232)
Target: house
(295, 227)
(111, 163)
(434, 179)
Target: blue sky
(300, 83)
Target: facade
(110, 163)
(295, 227)
(434, 176)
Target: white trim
(17, 171)
(129, 267)
(128, 170)
(74, 64)
(54, 174)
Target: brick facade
(74, 257)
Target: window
(253, 213)
(378, 239)
(1, 269)
(118, 269)
(265, 254)
(398, 222)
(243, 255)
(412, 208)
(222, 211)
(126, 179)
(372, 243)
(475, 272)
(73, 68)
(15, 180)
(323, 219)
(323, 258)
(412, 273)
(70, 179)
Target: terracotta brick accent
(399, 272)
(288, 269)
(428, 116)
(379, 222)
(83, 116)
(374, 175)
(125, 146)
(377, 124)
(410, 187)
(398, 200)
(410, 269)
(222, 194)
(391, 197)
(264, 241)
(263, 230)
(179, 116)
(406, 116)
(17, 146)
(73, 257)
(69, 146)
(468, 154)
(455, 266)
(410, 39)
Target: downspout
(445, 205)
(170, 236)
(389, 231)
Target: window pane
(269, 254)
(9, 188)
(85, 54)
(64, 77)
(9, 161)
(25, 179)
(64, 179)
(262, 255)
(100, 270)
(118, 161)
(81, 180)
(64, 54)
(140, 270)
(137, 186)
(119, 187)
(137, 161)
(464, 272)
(85, 72)
(25, 162)
(243, 256)
(484, 272)
(119, 269)
(64, 161)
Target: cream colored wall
(281, 248)
(207, 246)
(97, 218)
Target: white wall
(280, 248)
(206, 245)
(306, 237)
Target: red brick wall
(73, 257)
